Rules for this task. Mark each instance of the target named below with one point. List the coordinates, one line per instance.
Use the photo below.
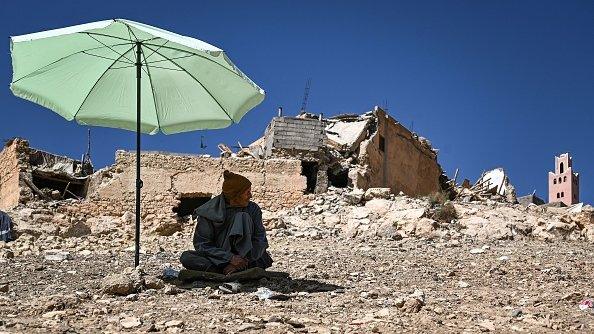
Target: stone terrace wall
(276, 183)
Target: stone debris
(57, 255)
(130, 322)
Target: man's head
(236, 189)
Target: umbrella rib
(162, 60)
(98, 56)
(65, 57)
(116, 37)
(121, 55)
(195, 79)
(105, 35)
(152, 89)
(165, 68)
(197, 55)
(146, 59)
(96, 82)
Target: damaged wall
(9, 174)
(392, 157)
(168, 178)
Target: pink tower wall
(563, 183)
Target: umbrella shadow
(280, 282)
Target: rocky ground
(357, 263)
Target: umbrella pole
(138, 180)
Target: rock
(487, 325)
(554, 230)
(354, 197)
(425, 227)
(128, 217)
(397, 216)
(463, 284)
(152, 282)
(103, 225)
(516, 313)
(247, 327)
(53, 314)
(57, 302)
(495, 228)
(56, 195)
(359, 212)
(172, 290)
(57, 255)
(332, 220)
(271, 220)
(130, 322)
(6, 254)
(372, 193)
(588, 233)
(167, 227)
(387, 230)
(76, 231)
(378, 206)
(418, 294)
(85, 252)
(412, 305)
(121, 284)
(4, 287)
(174, 323)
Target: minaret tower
(564, 184)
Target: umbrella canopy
(87, 73)
(128, 75)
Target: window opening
(309, 169)
(382, 143)
(338, 178)
(190, 202)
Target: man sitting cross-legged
(229, 235)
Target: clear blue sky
(490, 83)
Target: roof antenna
(87, 165)
(202, 144)
(305, 96)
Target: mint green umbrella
(128, 75)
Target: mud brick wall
(276, 183)
(401, 163)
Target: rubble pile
(341, 213)
(378, 214)
(492, 185)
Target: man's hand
(229, 269)
(238, 261)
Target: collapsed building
(372, 150)
(27, 173)
(297, 156)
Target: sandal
(230, 287)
